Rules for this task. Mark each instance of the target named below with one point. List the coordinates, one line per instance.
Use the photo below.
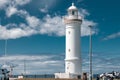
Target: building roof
(72, 7)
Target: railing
(45, 79)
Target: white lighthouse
(73, 67)
(73, 57)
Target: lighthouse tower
(73, 57)
(73, 68)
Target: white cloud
(21, 2)
(79, 1)
(47, 3)
(33, 21)
(35, 64)
(100, 63)
(48, 25)
(46, 64)
(44, 9)
(14, 33)
(83, 13)
(112, 36)
(10, 11)
(6, 3)
(85, 29)
(52, 26)
(55, 26)
(10, 6)
(3, 3)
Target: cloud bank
(49, 64)
(112, 36)
(49, 25)
(39, 64)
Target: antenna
(24, 67)
(5, 43)
(72, 4)
(0, 22)
(5, 47)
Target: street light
(5, 47)
(90, 53)
(24, 68)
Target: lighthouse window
(69, 50)
(69, 32)
(73, 12)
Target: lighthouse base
(67, 75)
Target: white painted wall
(73, 56)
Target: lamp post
(5, 47)
(24, 68)
(90, 53)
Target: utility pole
(90, 53)
(5, 47)
(24, 68)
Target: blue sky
(35, 32)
